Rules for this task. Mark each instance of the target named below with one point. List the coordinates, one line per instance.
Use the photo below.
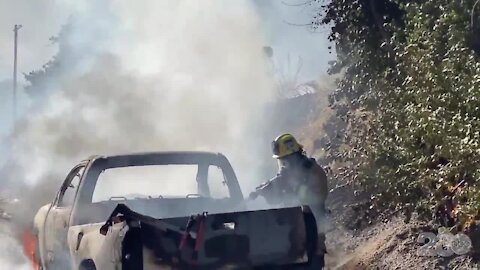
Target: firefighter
(299, 179)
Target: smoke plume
(146, 76)
(173, 75)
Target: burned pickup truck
(167, 210)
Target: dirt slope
(353, 244)
(390, 245)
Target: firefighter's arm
(321, 184)
(266, 189)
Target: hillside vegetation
(410, 100)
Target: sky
(35, 49)
(294, 47)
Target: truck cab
(135, 211)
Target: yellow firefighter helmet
(285, 145)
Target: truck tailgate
(249, 239)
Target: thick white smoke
(170, 75)
(11, 252)
(149, 76)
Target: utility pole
(15, 30)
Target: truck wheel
(87, 265)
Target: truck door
(57, 221)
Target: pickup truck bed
(275, 238)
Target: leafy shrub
(411, 99)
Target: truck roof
(160, 155)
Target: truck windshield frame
(97, 165)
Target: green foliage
(411, 93)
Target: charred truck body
(126, 212)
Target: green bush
(412, 89)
